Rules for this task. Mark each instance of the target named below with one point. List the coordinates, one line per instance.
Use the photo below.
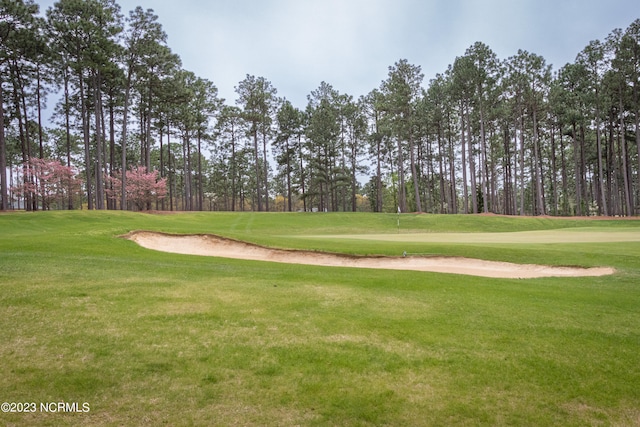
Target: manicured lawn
(150, 338)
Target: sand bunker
(209, 245)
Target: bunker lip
(216, 246)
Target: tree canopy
(508, 136)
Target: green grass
(150, 338)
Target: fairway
(117, 334)
(573, 235)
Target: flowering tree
(142, 187)
(49, 181)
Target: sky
(350, 44)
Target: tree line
(508, 136)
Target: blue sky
(350, 44)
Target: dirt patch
(210, 245)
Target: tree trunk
(601, 186)
(302, 186)
(378, 165)
(266, 170)
(98, 125)
(494, 177)
(85, 133)
(4, 202)
(484, 179)
(538, 167)
(162, 174)
(258, 169)
(554, 173)
(187, 174)
(125, 118)
(441, 170)
(26, 176)
(67, 127)
(452, 169)
(141, 137)
(354, 181)
(416, 185)
(425, 165)
(612, 172)
(515, 169)
(628, 191)
(565, 185)
(583, 174)
(200, 185)
(170, 170)
(638, 145)
(233, 168)
(147, 133)
(112, 148)
(39, 106)
(31, 202)
(522, 189)
(507, 177)
(472, 165)
(402, 192)
(465, 193)
(288, 173)
(578, 170)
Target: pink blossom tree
(49, 181)
(142, 187)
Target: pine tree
(401, 91)
(257, 98)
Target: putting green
(569, 235)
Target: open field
(153, 338)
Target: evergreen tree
(401, 91)
(257, 98)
